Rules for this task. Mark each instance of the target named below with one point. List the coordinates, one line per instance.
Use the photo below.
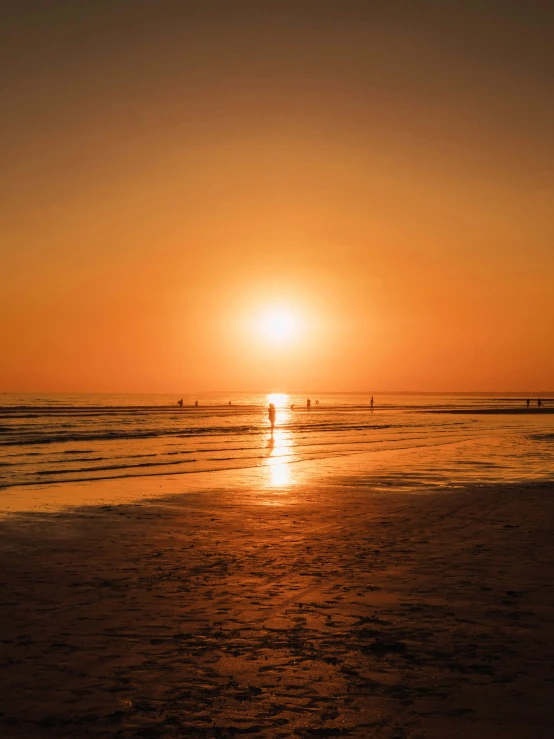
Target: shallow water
(53, 439)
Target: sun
(279, 324)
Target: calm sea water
(52, 439)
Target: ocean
(48, 440)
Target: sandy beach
(332, 609)
(276, 370)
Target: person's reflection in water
(271, 414)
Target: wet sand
(332, 609)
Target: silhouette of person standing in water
(371, 403)
(180, 403)
(196, 404)
(271, 414)
(539, 402)
(308, 404)
(528, 401)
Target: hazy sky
(171, 170)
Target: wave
(113, 467)
(34, 439)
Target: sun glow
(279, 324)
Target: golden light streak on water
(280, 444)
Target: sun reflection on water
(280, 444)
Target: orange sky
(169, 169)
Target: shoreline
(402, 467)
(493, 411)
(330, 607)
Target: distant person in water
(371, 403)
(528, 401)
(539, 402)
(180, 403)
(271, 414)
(317, 402)
(308, 404)
(230, 403)
(196, 404)
(292, 406)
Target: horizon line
(279, 392)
